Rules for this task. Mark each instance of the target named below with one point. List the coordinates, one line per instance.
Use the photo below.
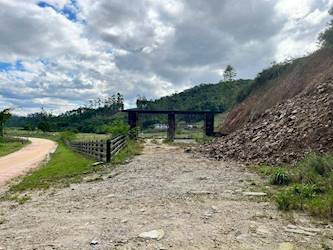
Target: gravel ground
(198, 203)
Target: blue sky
(61, 53)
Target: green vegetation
(65, 167)
(229, 73)
(306, 186)
(132, 149)
(215, 97)
(326, 37)
(280, 177)
(4, 117)
(10, 145)
(86, 119)
(117, 127)
(202, 139)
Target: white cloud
(148, 47)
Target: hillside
(285, 133)
(285, 117)
(280, 83)
(220, 97)
(215, 97)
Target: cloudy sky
(60, 53)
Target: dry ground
(25, 159)
(198, 203)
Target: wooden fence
(100, 150)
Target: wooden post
(171, 126)
(108, 150)
(209, 124)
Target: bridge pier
(132, 122)
(209, 124)
(171, 126)
(208, 117)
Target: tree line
(89, 118)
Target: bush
(326, 37)
(280, 177)
(312, 188)
(313, 168)
(284, 200)
(67, 135)
(322, 206)
(118, 127)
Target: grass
(65, 167)
(132, 149)
(307, 186)
(10, 145)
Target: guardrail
(102, 150)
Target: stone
(97, 163)
(152, 235)
(275, 136)
(254, 194)
(286, 246)
(187, 150)
(94, 242)
(299, 231)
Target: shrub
(118, 127)
(322, 206)
(67, 135)
(284, 200)
(313, 167)
(280, 177)
(303, 193)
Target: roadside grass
(307, 186)
(10, 145)
(64, 167)
(132, 149)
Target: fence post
(108, 150)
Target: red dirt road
(29, 157)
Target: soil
(197, 202)
(22, 161)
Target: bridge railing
(102, 150)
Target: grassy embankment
(10, 145)
(66, 166)
(307, 186)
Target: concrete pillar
(171, 126)
(209, 124)
(132, 122)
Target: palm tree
(4, 116)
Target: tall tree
(326, 37)
(4, 116)
(229, 73)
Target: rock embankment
(284, 133)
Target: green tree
(4, 116)
(326, 37)
(229, 73)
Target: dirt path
(21, 161)
(198, 203)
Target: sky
(59, 54)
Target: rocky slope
(301, 74)
(284, 133)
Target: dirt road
(23, 160)
(198, 203)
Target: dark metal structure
(133, 115)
